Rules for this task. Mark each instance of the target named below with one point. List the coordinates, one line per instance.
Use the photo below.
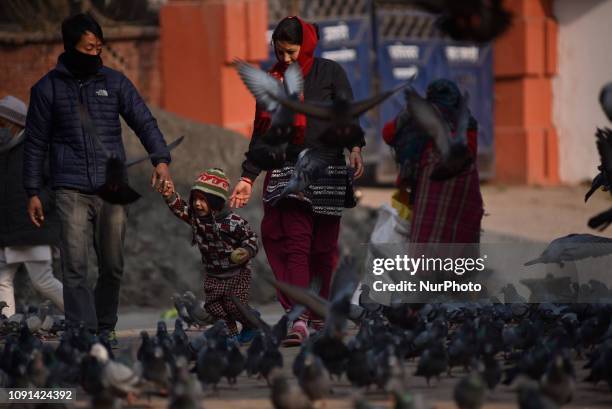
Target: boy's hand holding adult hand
(240, 255)
(166, 189)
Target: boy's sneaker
(246, 335)
(297, 335)
(111, 337)
(114, 341)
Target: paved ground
(512, 213)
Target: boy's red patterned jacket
(217, 235)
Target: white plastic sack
(389, 238)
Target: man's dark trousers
(83, 216)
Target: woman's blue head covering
(444, 92)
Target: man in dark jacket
(74, 111)
(22, 244)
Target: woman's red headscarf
(307, 48)
(305, 60)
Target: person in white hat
(22, 244)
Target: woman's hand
(241, 194)
(356, 162)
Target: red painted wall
(199, 41)
(526, 147)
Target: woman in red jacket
(300, 233)
(448, 211)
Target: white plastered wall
(584, 65)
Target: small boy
(226, 243)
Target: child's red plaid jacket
(217, 235)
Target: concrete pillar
(525, 61)
(199, 41)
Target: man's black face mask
(81, 64)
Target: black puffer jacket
(16, 229)
(77, 160)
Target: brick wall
(25, 58)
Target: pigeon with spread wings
(269, 151)
(341, 113)
(454, 152)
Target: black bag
(116, 189)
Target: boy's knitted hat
(215, 186)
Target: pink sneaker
(297, 335)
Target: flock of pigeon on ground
(532, 347)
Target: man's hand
(161, 174)
(240, 255)
(241, 194)
(35, 211)
(356, 162)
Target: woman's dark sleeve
(342, 86)
(260, 126)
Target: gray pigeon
(343, 285)
(302, 296)
(469, 392)
(3, 305)
(604, 177)
(285, 394)
(311, 165)
(605, 100)
(196, 310)
(366, 302)
(454, 153)
(342, 114)
(574, 247)
(269, 151)
(186, 391)
(34, 323)
(601, 221)
(181, 309)
(511, 295)
(530, 397)
(340, 111)
(558, 383)
(549, 289)
(265, 88)
(314, 378)
(120, 380)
